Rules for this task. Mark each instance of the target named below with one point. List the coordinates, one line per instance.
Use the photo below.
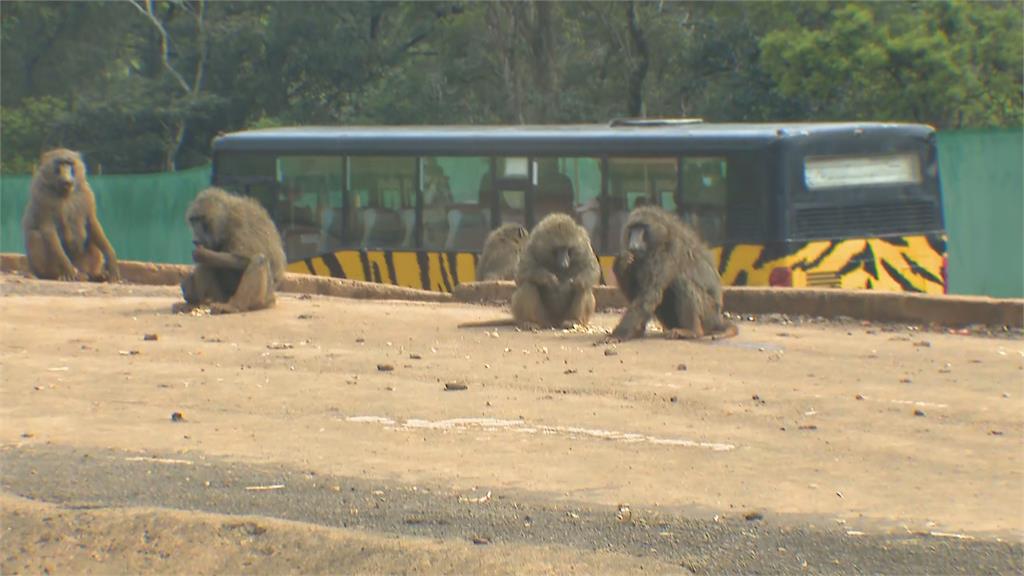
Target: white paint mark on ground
(494, 424)
(158, 460)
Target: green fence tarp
(982, 174)
(142, 214)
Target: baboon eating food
(666, 271)
(555, 277)
(63, 237)
(501, 252)
(238, 254)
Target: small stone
(177, 417)
(753, 516)
(674, 399)
(611, 352)
(681, 367)
(859, 397)
(919, 412)
(481, 540)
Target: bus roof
(541, 140)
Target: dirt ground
(880, 429)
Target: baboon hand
(200, 253)
(113, 272)
(72, 275)
(547, 278)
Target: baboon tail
(728, 331)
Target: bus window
(634, 182)
(569, 185)
(705, 193)
(383, 194)
(462, 221)
(307, 196)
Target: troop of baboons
(664, 270)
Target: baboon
(666, 271)
(555, 277)
(238, 254)
(63, 237)
(501, 252)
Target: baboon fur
(64, 239)
(238, 254)
(501, 251)
(556, 276)
(666, 271)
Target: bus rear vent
(892, 218)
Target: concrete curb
(172, 275)
(952, 311)
(875, 306)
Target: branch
(147, 11)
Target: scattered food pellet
(905, 380)
(808, 427)
(415, 357)
(674, 399)
(610, 352)
(859, 397)
(453, 386)
(570, 371)
(385, 367)
(681, 367)
(177, 417)
(996, 432)
(149, 337)
(919, 412)
(480, 540)
(923, 344)
(753, 516)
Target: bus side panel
(434, 271)
(911, 263)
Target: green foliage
(92, 75)
(951, 65)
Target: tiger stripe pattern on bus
(910, 263)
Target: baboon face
(205, 217)
(640, 239)
(61, 168)
(561, 258)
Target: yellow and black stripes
(434, 271)
(902, 263)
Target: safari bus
(847, 205)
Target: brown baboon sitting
(555, 277)
(501, 252)
(666, 271)
(238, 254)
(63, 237)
